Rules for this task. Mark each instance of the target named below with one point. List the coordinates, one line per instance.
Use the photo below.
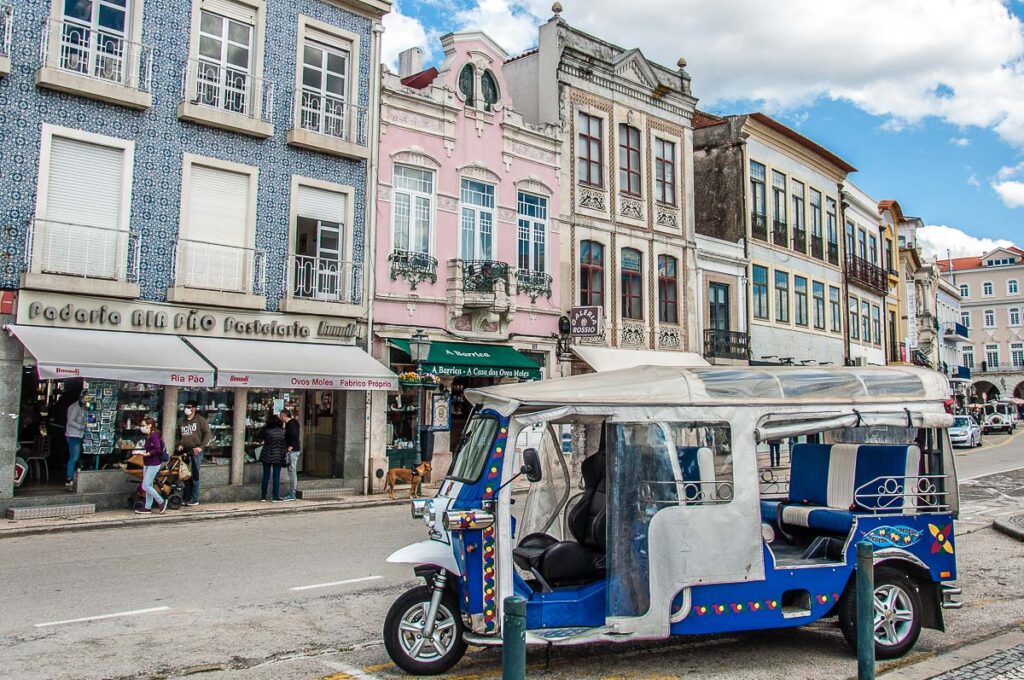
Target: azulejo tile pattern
(161, 139)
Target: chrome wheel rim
(415, 644)
(894, 615)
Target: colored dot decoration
(754, 605)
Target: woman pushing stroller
(151, 463)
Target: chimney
(410, 61)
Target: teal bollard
(513, 639)
(865, 611)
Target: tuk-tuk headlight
(467, 520)
(420, 507)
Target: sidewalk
(998, 658)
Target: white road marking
(346, 671)
(135, 612)
(337, 583)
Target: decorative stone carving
(533, 153)
(593, 199)
(413, 120)
(534, 186)
(506, 215)
(634, 333)
(668, 217)
(464, 323)
(479, 172)
(668, 337)
(599, 339)
(415, 156)
(631, 208)
(447, 203)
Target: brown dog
(406, 476)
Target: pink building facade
(468, 231)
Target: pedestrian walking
(775, 452)
(74, 430)
(152, 461)
(272, 456)
(195, 437)
(293, 449)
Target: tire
(174, 502)
(409, 609)
(901, 593)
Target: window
(664, 172)
(1017, 354)
(589, 157)
(413, 206)
(760, 291)
(965, 291)
(865, 321)
(533, 221)
(800, 299)
(817, 235)
(779, 197)
(1012, 287)
(1014, 314)
(990, 318)
(782, 296)
(876, 324)
(836, 309)
(757, 188)
(489, 90)
(225, 68)
(799, 217)
(320, 270)
(718, 307)
(832, 229)
(325, 87)
(873, 249)
(992, 356)
(591, 273)
(965, 319)
(862, 248)
(890, 264)
(851, 238)
(968, 356)
(477, 220)
(818, 292)
(986, 288)
(467, 84)
(629, 160)
(632, 284)
(854, 321)
(668, 307)
(476, 447)
(94, 41)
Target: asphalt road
(304, 596)
(1000, 452)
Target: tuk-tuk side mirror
(531, 465)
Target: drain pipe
(370, 245)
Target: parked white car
(965, 432)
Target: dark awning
(463, 359)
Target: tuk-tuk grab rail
(710, 492)
(909, 493)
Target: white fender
(427, 552)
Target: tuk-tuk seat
(697, 466)
(824, 479)
(571, 562)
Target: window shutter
(319, 204)
(232, 10)
(329, 39)
(218, 207)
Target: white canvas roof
(612, 359)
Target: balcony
(6, 29)
(800, 240)
(759, 226)
(780, 233)
(833, 253)
(961, 373)
(533, 283)
(482, 276)
(719, 344)
(325, 123)
(956, 332)
(95, 63)
(817, 248)
(217, 274)
(79, 258)
(228, 98)
(866, 274)
(414, 267)
(480, 296)
(322, 279)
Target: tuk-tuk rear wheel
(897, 614)
(403, 638)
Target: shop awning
(611, 358)
(62, 353)
(463, 359)
(258, 363)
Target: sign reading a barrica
(586, 321)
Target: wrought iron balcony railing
(413, 266)
(228, 88)
(325, 114)
(213, 266)
(324, 279)
(82, 251)
(780, 233)
(533, 283)
(6, 28)
(721, 344)
(957, 331)
(817, 247)
(866, 274)
(479, 276)
(759, 226)
(95, 53)
(800, 240)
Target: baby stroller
(168, 482)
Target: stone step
(40, 512)
(324, 494)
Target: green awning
(462, 359)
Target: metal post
(865, 612)
(513, 639)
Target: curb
(1011, 526)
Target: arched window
(488, 90)
(632, 284)
(591, 273)
(467, 84)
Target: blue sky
(924, 97)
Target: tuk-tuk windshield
(476, 444)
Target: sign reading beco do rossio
(585, 321)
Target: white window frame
(987, 289)
(965, 319)
(335, 38)
(991, 350)
(965, 291)
(1011, 313)
(1012, 287)
(968, 356)
(1017, 354)
(413, 195)
(987, 315)
(477, 211)
(532, 224)
(347, 226)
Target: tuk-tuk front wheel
(404, 638)
(897, 615)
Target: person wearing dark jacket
(151, 462)
(195, 436)
(273, 456)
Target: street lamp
(419, 350)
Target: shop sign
(586, 321)
(482, 371)
(304, 382)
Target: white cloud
(511, 23)
(960, 141)
(400, 33)
(973, 180)
(1011, 191)
(1008, 171)
(936, 240)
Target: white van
(998, 416)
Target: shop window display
(217, 406)
(135, 401)
(260, 404)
